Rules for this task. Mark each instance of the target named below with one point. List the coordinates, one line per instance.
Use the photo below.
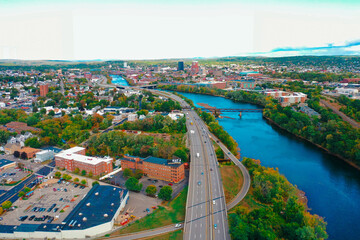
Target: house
(30, 152)
(10, 148)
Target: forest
(278, 212)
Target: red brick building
(44, 89)
(73, 158)
(159, 168)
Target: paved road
(341, 114)
(148, 233)
(246, 183)
(12, 194)
(205, 205)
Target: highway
(206, 212)
(246, 183)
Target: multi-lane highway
(206, 212)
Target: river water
(331, 185)
(119, 80)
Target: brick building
(44, 89)
(73, 158)
(29, 151)
(159, 168)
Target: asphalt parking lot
(43, 199)
(12, 175)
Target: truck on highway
(192, 131)
(197, 154)
(191, 123)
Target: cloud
(330, 49)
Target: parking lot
(51, 202)
(137, 205)
(12, 175)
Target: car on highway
(170, 184)
(215, 226)
(178, 225)
(214, 202)
(202, 173)
(210, 169)
(199, 182)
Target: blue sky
(139, 29)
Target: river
(119, 80)
(331, 185)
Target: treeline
(280, 214)
(219, 131)
(330, 131)
(157, 123)
(312, 76)
(193, 89)
(117, 143)
(71, 129)
(351, 108)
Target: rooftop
(4, 162)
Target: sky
(145, 29)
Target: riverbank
(261, 100)
(271, 122)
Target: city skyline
(75, 30)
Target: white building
(347, 91)
(44, 156)
(132, 117)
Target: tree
(57, 174)
(21, 194)
(132, 184)
(1, 210)
(151, 190)
(83, 182)
(4, 135)
(23, 155)
(77, 170)
(138, 173)
(181, 154)
(76, 180)
(165, 193)
(83, 172)
(51, 113)
(6, 205)
(32, 142)
(127, 172)
(27, 189)
(43, 111)
(16, 154)
(90, 174)
(95, 183)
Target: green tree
(83, 172)
(6, 205)
(33, 142)
(127, 172)
(27, 189)
(181, 154)
(165, 193)
(138, 173)
(76, 180)
(90, 174)
(132, 184)
(57, 174)
(95, 183)
(51, 113)
(83, 182)
(77, 170)
(4, 136)
(151, 190)
(21, 194)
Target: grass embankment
(232, 179)
(176, 235)
(169, 213)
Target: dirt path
(341, 114)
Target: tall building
(44, 89)
(195, 67)
(180, 66)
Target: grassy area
(176, 235)
(232, 181)
(170, 213)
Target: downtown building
(75, 157)
(163, 169)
